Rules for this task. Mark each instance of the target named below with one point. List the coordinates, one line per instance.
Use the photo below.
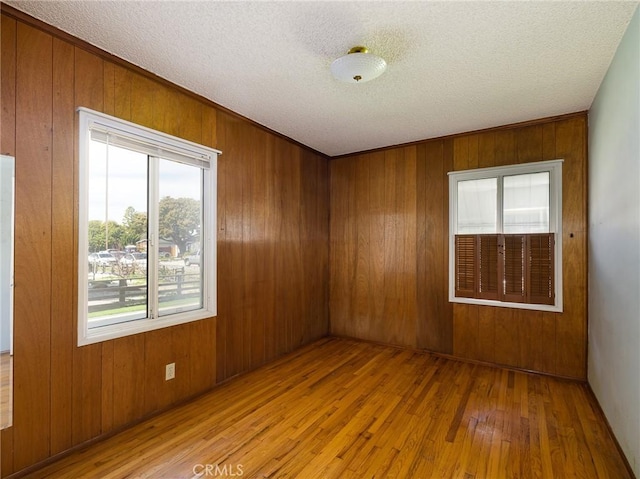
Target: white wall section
(614, 244)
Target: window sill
(500, 304)
(119, 330)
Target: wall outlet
(170, 371)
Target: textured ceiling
(453, 66)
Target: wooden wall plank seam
(87, 361)
(63, 204)
(33, 235)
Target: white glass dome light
(358, 66)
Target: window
(505, 230)
(147, 201)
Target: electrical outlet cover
(170, 371)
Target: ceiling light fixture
(358, 66)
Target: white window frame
(554, 167)
(165, 146)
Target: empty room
(312, 239)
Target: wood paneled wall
(389, 250)
(384, 280)
(272, 249)
(273, 202)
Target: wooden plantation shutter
(540, 248)
(516, 268)
(513, 268)
(488, 267)
(465, 266)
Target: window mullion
(154, 240)
(501, 243)
(500, 202)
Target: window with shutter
(520, 264)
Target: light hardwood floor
(345, 409)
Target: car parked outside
(136, 261)
(103, 258)
(117, 254)
(192, 259)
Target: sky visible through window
(127, 183)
